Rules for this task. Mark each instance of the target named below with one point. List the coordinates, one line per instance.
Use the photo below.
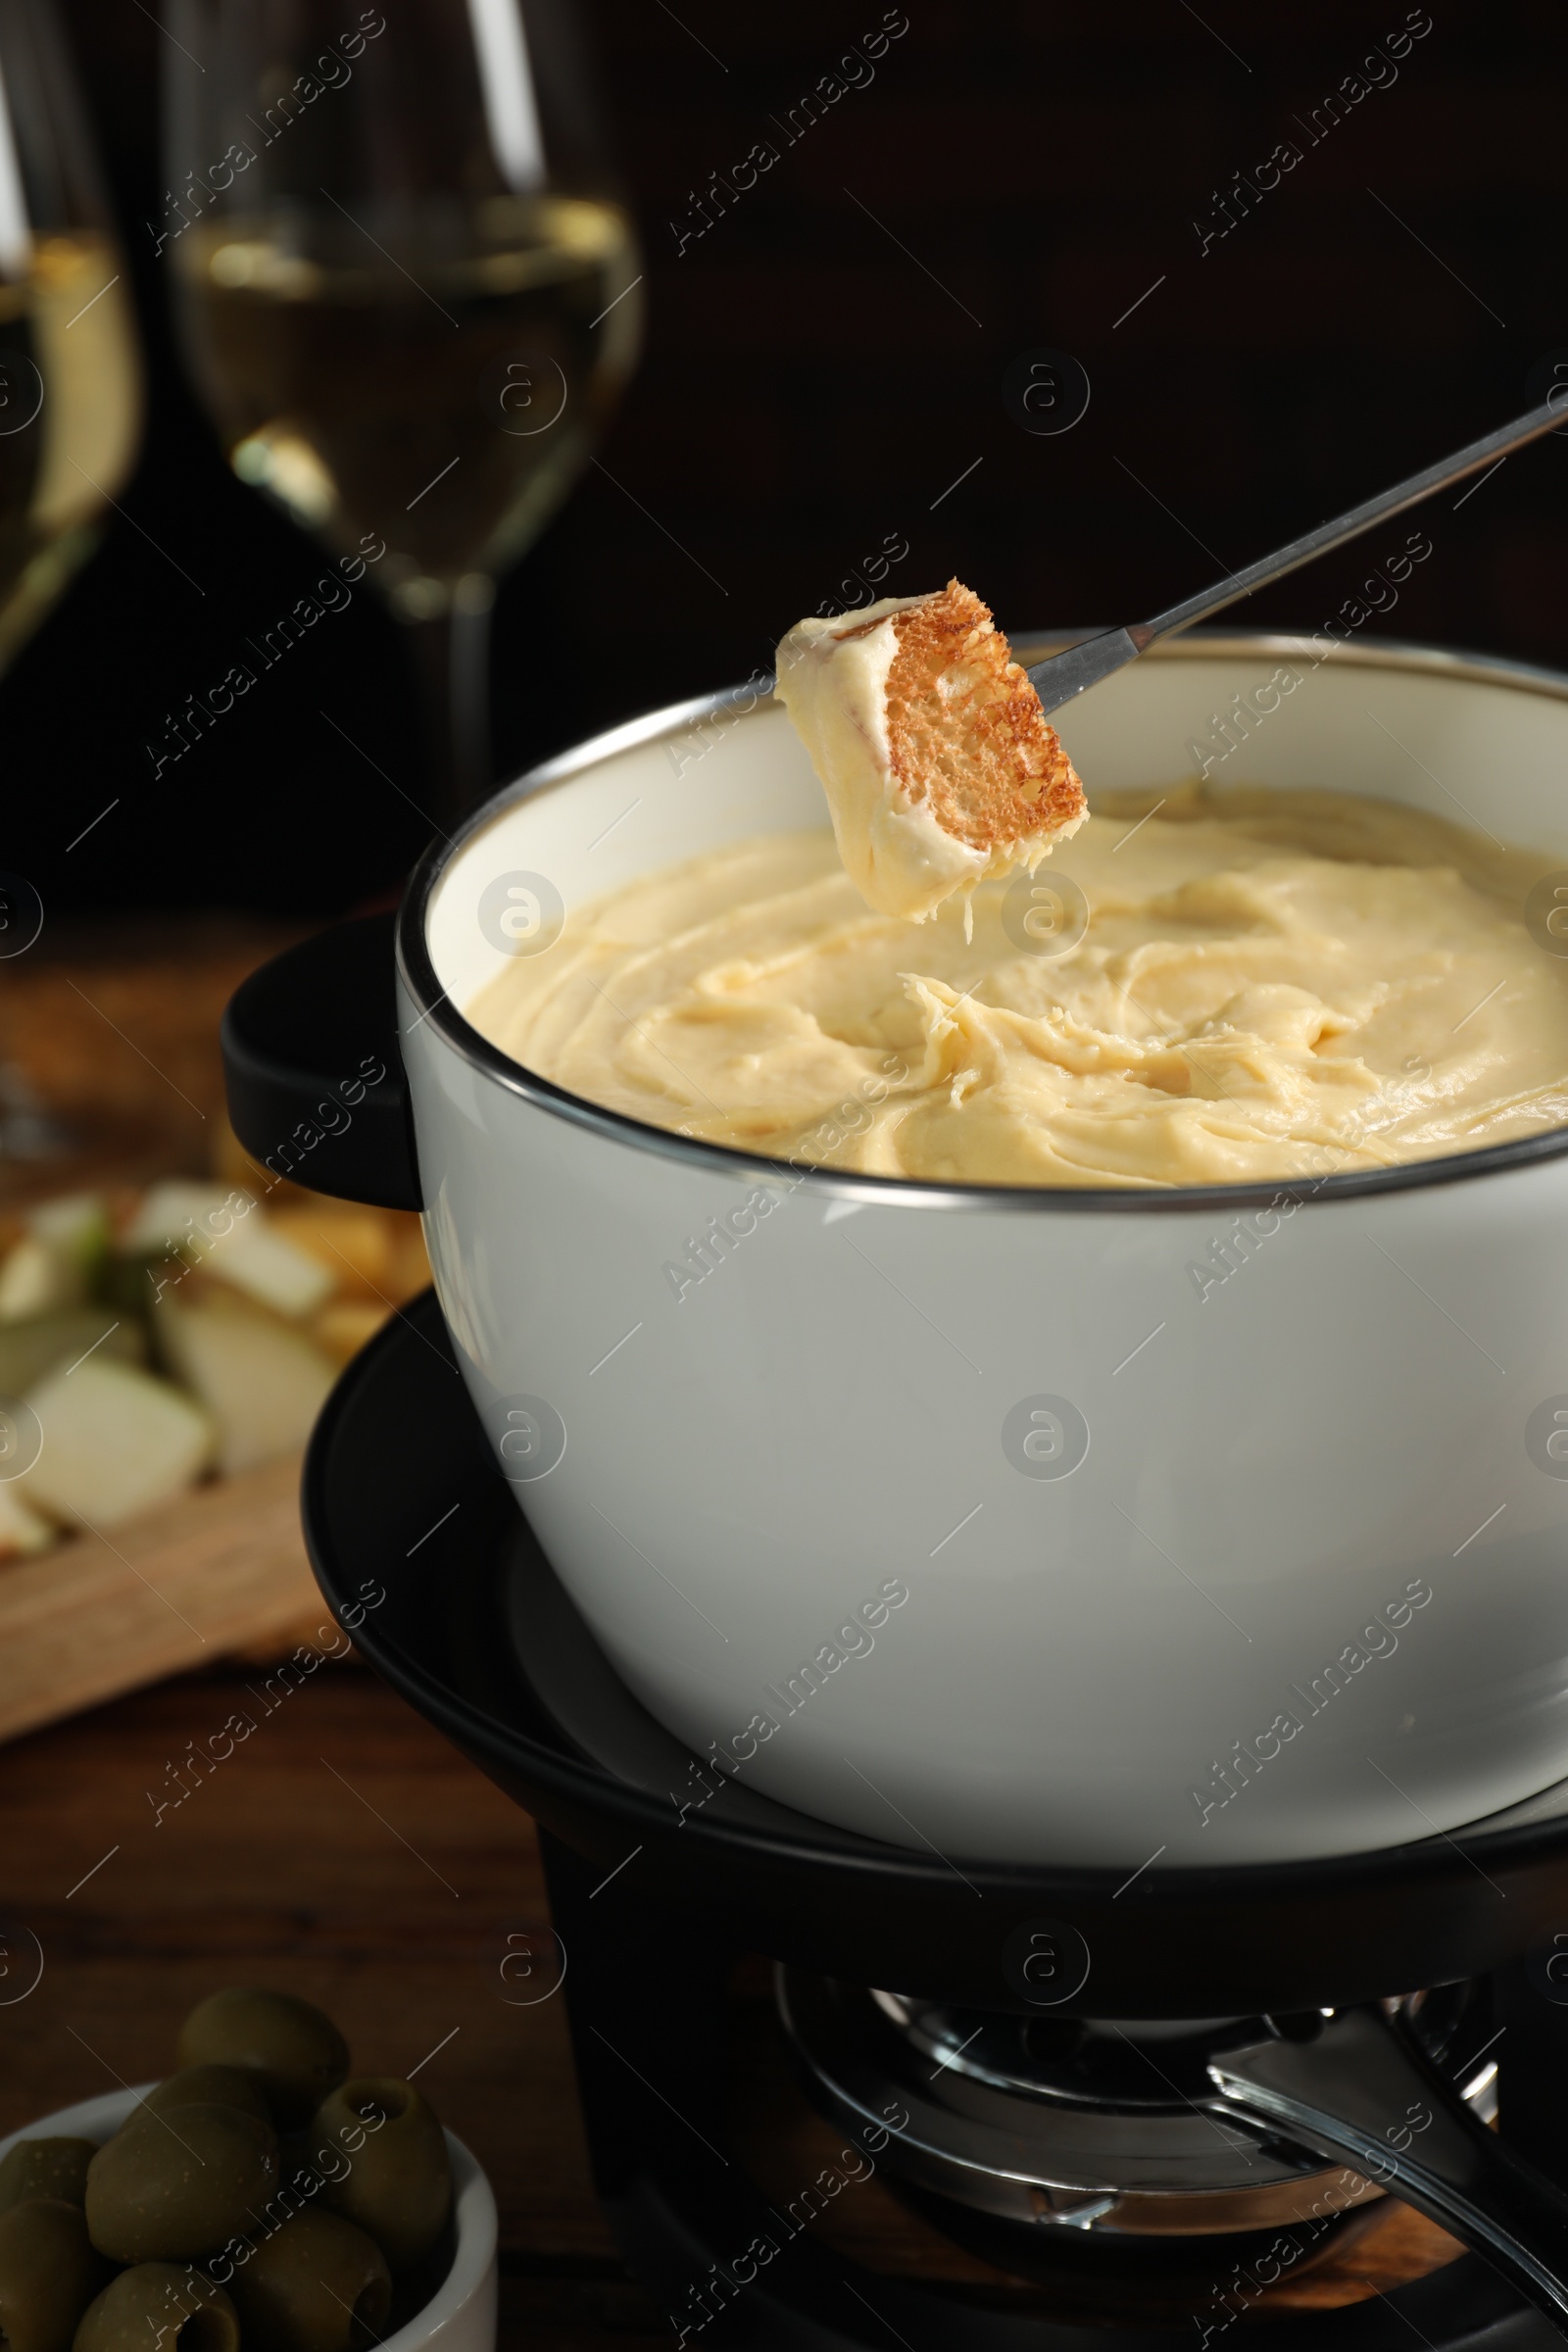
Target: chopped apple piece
(270, 1268)
(262, 1382)
(29, 1349)
(116, 1441)
(21, 1531)
(166, 1210)
(53, 1264)
(179, 1213)
(76, 1226)
(30, 1282)
(233, 1241)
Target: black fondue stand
(1287, 1974)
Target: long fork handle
(1063, 676)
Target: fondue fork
(1062, 677)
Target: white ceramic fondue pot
(1074, 1527)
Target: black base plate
(403, 1496)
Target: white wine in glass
(71, 384)
(408, 294)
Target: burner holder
(645, 1998)
(1117, 2128)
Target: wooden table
(343, 1851)
(347, 1853)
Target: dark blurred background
(828, 359)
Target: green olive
(49, 2274)
(169, 2187)
(316, 2285)
(158, 2307)
(397, 2186)
(209, 2086)
(297, 2050)
(45, 2168)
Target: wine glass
(406, 290)
(70, 386)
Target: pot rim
(431, 1003)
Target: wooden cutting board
(218, 1570)
(109, 1028)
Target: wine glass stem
(452, 661)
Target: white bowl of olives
(261, 2199)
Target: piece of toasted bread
(932, 748)
(966, 732)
